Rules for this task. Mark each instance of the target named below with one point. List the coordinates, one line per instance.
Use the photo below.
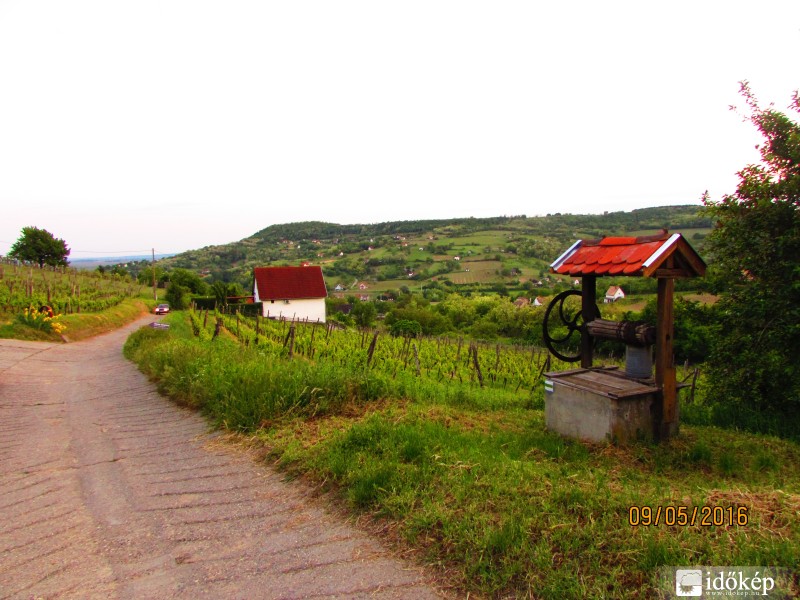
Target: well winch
(602, 403)
(562, 324)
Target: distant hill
(471, 252)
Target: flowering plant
(41, 320)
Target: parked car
(162, 309)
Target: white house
(613, 294)
(539, 301)
(293, 293)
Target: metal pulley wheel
(563, 325)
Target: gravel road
(109, 490)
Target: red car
(162, 309)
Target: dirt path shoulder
(108, 490)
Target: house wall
(312, 309)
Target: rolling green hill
(509, 251)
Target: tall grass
(243, 388)
(470, 480)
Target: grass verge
(482, 490)
(81, 326)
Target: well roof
(634, 256)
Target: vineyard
(512, 373)
(65, 291)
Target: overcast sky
(174, 125)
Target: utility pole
(153, 265)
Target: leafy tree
(188, 279)
(695, 328)
(41, 247)
(431, 322)
(219, 289)
(405, 328)
(364, 313)
(755, 248)
(145, 276)
(177, 295)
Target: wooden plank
(606, 391)
(607, 384)
(598, 378)
(589, 313)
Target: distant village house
(613, 294)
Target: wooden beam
(665, 372)
(692, 258)
(672, 274)
(589, 313)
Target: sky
(174, 125)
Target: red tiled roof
(289, 283)
(627, 256)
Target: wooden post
(588, 304)
(291, 342)
(371, 350)
(476, 364)
(217, 328)
(153, 267)
(667, 424)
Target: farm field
(476, 271)
(464, 476)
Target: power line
(72, 250)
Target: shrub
(41, 320)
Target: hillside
(509, 251)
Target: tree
(177, 296)
(145, 276)
(219, 289)
(364, 313)
(755, 251)
(188, 279)
(41, 247)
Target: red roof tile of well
(627, 256)
(290, 283)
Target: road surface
(109, 490)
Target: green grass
(472, 482)
(80, 326)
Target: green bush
(405, 328)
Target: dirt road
(108, 490)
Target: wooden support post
(667, 421)
(588, 306)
